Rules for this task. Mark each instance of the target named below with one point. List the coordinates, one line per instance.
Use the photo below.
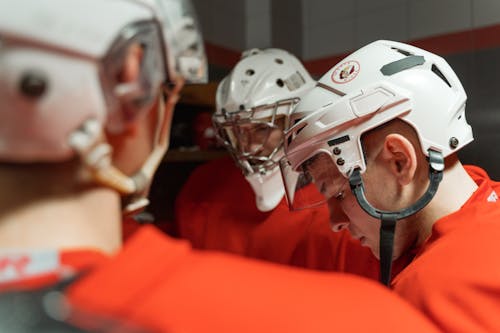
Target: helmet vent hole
(297, 120)
(436, 71)
(250, 72)
(296, 132)
(33, 84)
(403, 52)
(280, 83)
(279, 61)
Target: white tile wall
(385, 22)
(485, 12)
(435, 17)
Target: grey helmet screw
(33, 84)
(453, 142)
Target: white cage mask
(253, 106)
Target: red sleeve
(163, 284)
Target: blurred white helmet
(253, 106)
(59, 70)
(184, 44)
(378, 83)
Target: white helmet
(58, 78)
(184, 44)
(380, 82)
(253, 103)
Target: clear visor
(313, 182)
(134, 72)
(133, 81)
(254, 136)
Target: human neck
(87, 219)
(454, 190)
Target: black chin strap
(388, 219)
(387, 229)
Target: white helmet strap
(89, 143)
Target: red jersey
(161, 284)
(216, 210)
(455, 276)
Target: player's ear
(400, 156)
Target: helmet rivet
(340, 161)
(33, 84)
(337, 151)
(453, 142)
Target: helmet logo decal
(345, 71)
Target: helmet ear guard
(389, 218)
